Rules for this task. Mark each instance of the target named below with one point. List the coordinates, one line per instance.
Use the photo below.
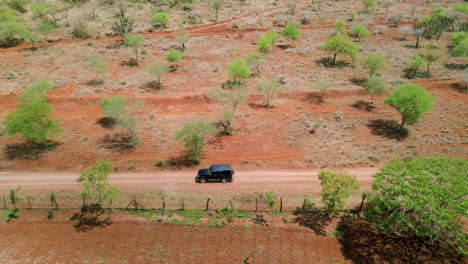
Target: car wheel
(202, 180)
(223, 180)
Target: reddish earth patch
(128, 240)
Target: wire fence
(160, 200)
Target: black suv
(217, 172)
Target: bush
(340, 26)
(32, 119)
(95, 183)
(368, 3)
(11, 33)
(461, 7)
(271, 201)
(415, 64)
(18, 5)
(123, 25)
(174, 55)
(160, 20)
(112, 107)
(238, 69)
(374, 85)
(291, 31)
(81, 31)
(360, 31)
(266, 42)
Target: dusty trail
(183, 180)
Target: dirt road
(183, 180)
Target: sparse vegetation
(157, 69)
(269, 88)
(135, 42)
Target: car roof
(220, 167)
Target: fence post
(134, 200)
(84, 201)
(29, 201)
(281, 204)
(208, 204)
(164, 203)
(4, 203)
(183, 204)
(256, 204)
(232, 207)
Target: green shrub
(160, 163)
(32, 119)
(238, 69)
(462, 7)
(291, 31)
(360, 31)
(18, 5)
(271, 201)
(160, 20)
(174, 55)
(11, 33)
(266, 42)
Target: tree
(417, 32)
(431, 54)
(269, 88)
(174, 55)
(374, 63)
(238, 69)
(291, 31)
(368, 4)
(255, 60)
(123, 26)
(229, 99)
(135, 42)
(340, 44)
(412, 101)
(423, 198)
(32, 119)
(181, 36)
(360, 31)
(374, 86)
(438, 23)
(96, 187)
(157, 69)
(216, 5)
(415, 64)
(336, 188)
(11, 33)
(395, 18)
(193, 135)
(405, 30)
(96, 64)
(160, 20)
(322, 87)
